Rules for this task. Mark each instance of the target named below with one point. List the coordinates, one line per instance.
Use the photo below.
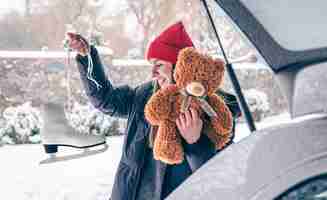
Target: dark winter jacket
(129, 103)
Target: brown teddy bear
(197, 77)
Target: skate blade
(86, 153)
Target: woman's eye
(158, 65)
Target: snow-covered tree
(86, 119)
(149, 16)
(258, 103)
(22, 124)
(2, 129)
(197, 23)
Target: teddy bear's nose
(195, 89)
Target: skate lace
(92, 130)
(90, 68)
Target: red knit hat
(167, 45)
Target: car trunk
(284, 32)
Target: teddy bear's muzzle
(196, 89)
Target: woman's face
(161, 71)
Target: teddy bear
(197, 78)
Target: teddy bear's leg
(167, 144)
(221, 125)
(219, 140)
(211, 133)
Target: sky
(8, 5)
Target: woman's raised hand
(78, 43)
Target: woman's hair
(172, 74)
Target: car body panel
(246, 169)
(268, 161)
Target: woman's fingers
(84, 42)
(189, 125)
(188, 118)
(178, 123)
(194, 115)
(182, 120)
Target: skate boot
(57, 132)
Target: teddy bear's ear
(219, 72)
(184, 63)
(185, 56)
(220, 64)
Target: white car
(286, 161)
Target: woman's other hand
(190, 125)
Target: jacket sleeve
(199, 152)
(108, 99)
(231, 103)
(233, 106)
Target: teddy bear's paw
(222, 142)
(223, 123)
(223, 128)
(170, 153)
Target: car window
(312, 189)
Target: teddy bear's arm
(159, 106)
(224, 120)
(219, 129)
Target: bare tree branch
(81, 6)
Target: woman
(139, 175)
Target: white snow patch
(88, 178)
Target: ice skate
(56, 132)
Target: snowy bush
(21, 125)
(134, 53)
(86, 119)
(258, 103)
(2, 129)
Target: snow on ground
(90, 178)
